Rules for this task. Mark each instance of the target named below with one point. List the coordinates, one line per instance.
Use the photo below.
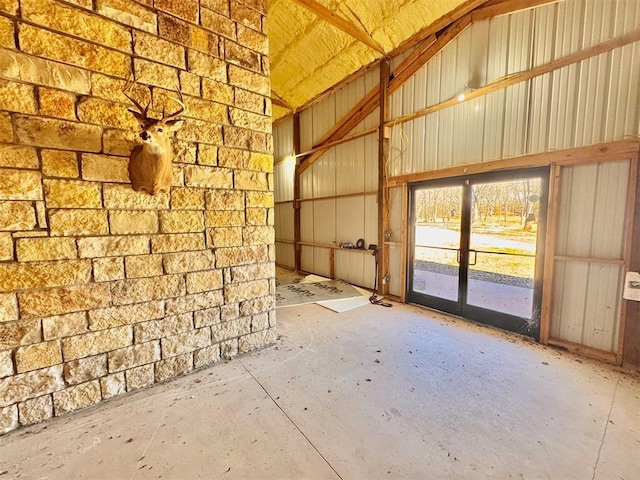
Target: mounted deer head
(150, 164)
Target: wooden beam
(279, 102)
(326, 146)
(403, 72)
(438, 25)
(549, 251)
(296, 195)
(631, 350)
(632, 192)
(620, 149)
(412, 64)
(340, 23)
(383, 193)
(335, 197)
(608, 357)
(504, 7)
(519, 77)
(404, 243)
(369, 102)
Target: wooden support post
(296, 194)
(405, 242)
(549, 252)
(383, 193)
(629, 341)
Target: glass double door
(476, 247)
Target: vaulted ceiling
(314, 44)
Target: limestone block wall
(104, 290)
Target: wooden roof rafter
(279, 102)
(340, 23)
(458, 20)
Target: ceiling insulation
(309, 55)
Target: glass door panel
(476, 247)
(502, 246)
(436, 241)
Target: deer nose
(144, 135)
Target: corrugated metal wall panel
(323, 173)
(285, 255)
(591, 214)
(395, 271)
(515, 120)
(592, 100)
(284, 221)
(324, 221)
(350, 167)
(543, 35)
(349, 219)
(604, 298)
(599, 23)
(586, 305)
(494, 113)
(498, 48)
(306, 129)
(591, 224)
(283, 139)
(563, 102)
(569, 27)
(306, 222)
(371, 163)
(607, 239)
(595, 101)
(355, 267)
(322, 262)
(395, 214)
(576, 213)
(626, 16)
(350, 266)
(468, 132)
(446, 134)
(371, 218)
(623, 112)
(539, 114)
(306, 259)
(449, 84)
(306, 183)
(283, 180)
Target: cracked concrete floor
(371, 393)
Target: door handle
(458, 256)
(475, 257)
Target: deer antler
(179, 101)
(127, 88)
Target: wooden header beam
(621, 149)
(341, 24)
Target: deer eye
(160, 130)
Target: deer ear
(174, 124)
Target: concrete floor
(373, 393)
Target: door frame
(505, 321)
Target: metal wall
(283, 171)
(350, 168)
(590, 102)
(594, 101)
(590, 241)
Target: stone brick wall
(104, 290)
